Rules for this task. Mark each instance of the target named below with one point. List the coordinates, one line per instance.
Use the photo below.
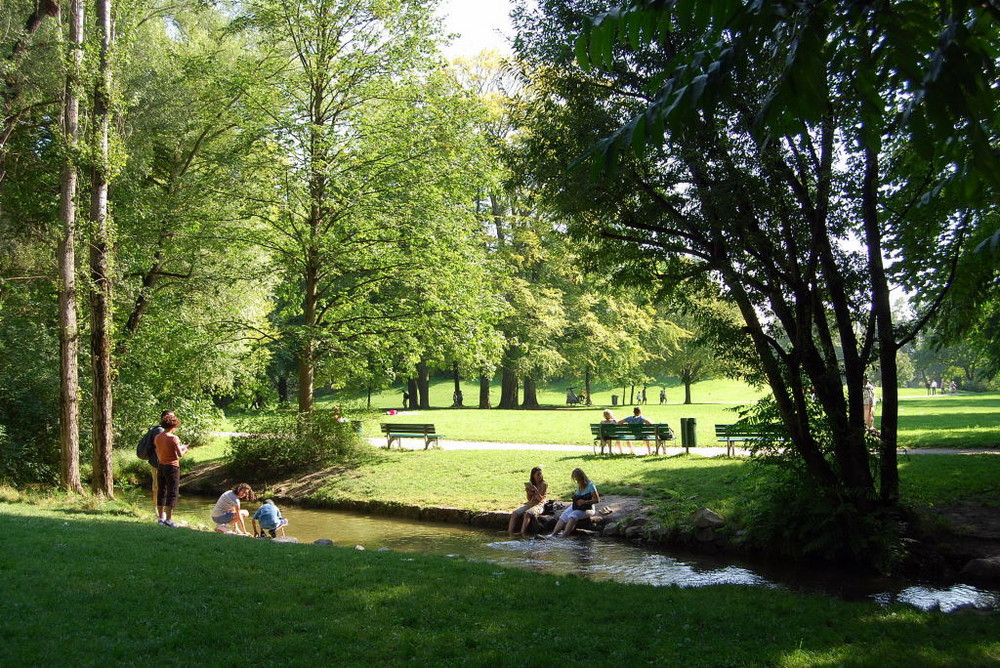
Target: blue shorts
(225, 519)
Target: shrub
(787, 513)
(287, 443)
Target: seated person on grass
(270, 519)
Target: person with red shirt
(169, 451)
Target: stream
(606, 558)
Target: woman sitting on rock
(534, 491)
(584, 499)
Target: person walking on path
(169, 451)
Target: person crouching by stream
(228, 516)
(270, 519)
(584, 499)
(534, 491)
(169, 451)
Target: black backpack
(146, 449)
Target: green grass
(489, 479)
(960, 421)
(114, 591)
(934, 480)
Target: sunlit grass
(311, 605)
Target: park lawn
(111, 590)
(484, 480)
(489, 480)
(945, 421)
(950, 421)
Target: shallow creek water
(605, 558)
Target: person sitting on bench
(637, 418)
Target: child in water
(270, 519)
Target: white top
(227, 503)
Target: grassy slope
(114, 591)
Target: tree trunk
(69, 335)
(100, 250)
(307, 354)
(508, 388)
(631, 398)
(888, 466)
(141, 304)
(411, 389)
(687, 392)
(586, 386)
(484, 392)
(282, 388)
(423, 385)
(530, 393)
(459, 399)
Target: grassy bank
(487, 480)
(111, 590)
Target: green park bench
(394, 431)
(731, 434)
(605, 433)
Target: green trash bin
(688, 437)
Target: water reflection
(605, 559)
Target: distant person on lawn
(868, 398)
(228, 515)
(534, 492)
(169, 451)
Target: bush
(284, 443)
(787, 513)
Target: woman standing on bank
(169, 451)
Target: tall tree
(794, 225)
(100, 262)
(364, 214)
(69, 410)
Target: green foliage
(29, 394)
(788, 513)
(942, 60)
(289, 442)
